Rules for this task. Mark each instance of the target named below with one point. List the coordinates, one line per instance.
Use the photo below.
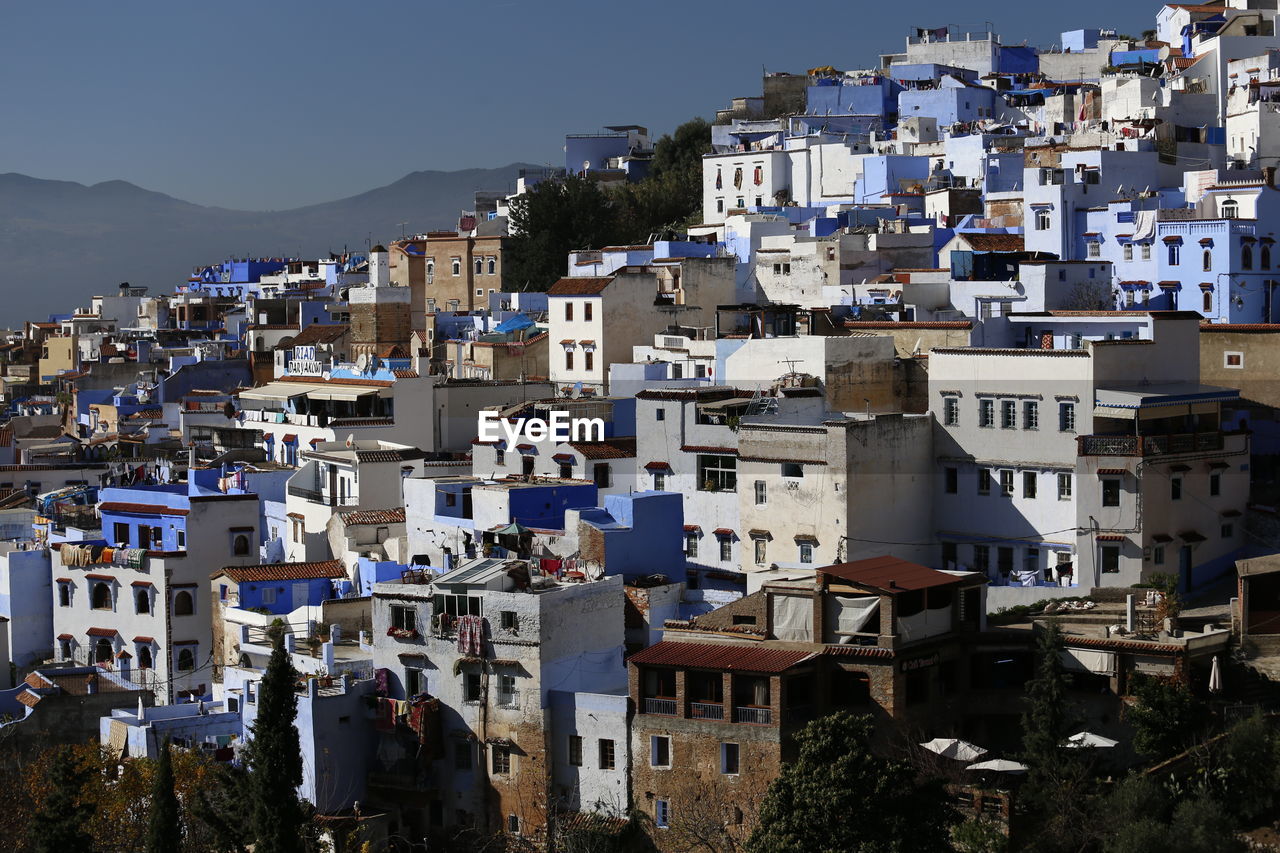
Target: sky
(276, 104)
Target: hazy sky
(277, 103)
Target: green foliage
(978, 835)
(1166, 719)
(1139, 817)
(1047, 721)
(1241, 770)
(164, 827)
(59, 826)
(274, 761)
(838, 797)
(220, 806)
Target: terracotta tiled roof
(923, 324)
(889, 574)
(725, 657)
(702, 448)
(144, 639)
(612, 448)
(582, 286)
(995, 242)
(94, 576)
(316, 333)
(373, 516)
(102, 632)
(284, 571)
(26, 697)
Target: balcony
(706, 710)
(1149, 445)
(754, 716)
(664, 707)
(322, 498)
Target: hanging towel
(385, 721)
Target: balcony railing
(318, 497)
(665, 707)
(1148, 445)
(706, 710)
(756, 716)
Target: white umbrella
(999, 765)
(1215, 676)
(1088, 740)
(949, 747)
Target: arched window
(1208, 260)
(102, 651)
(186, 660)
(1230, 209)
(241, 546)
(101, 596)
(493, 266)
(1266, 257)
(183, 604)
(479, 265)
(1208, 301)
(1175, 254)
(1043, 221)
(64, 595)
(1246, 257)
(142, 601)
(144, 657)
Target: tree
(1167, 718)
(1138, 816)
(838, 796)
(1089, 296)
(275, 762)
(553, 219)
(61, 823)
(164, 827)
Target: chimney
(1269, 175)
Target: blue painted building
(952, 101)
(279, 588)
(234, 277)
(638, 534)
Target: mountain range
(62, 242)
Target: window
(491, 265)
(1146, 251)
(121, 533)
(568, 312)
(1246, 257)
(404, 618)
(720, 205)
(690, 544)
(455, 266)
(507, 620)
(499, 456)
(762, 493)
(182, 540)
(1006, 483)
(1093, 249)
(661, 814)
(659, 481)
(142, 601)
(479, 265)
(986, 413)
(1066, 417)
(729, 759)
(759, 551)
(1230, 209)
(1128, 251)
(471, 687)
(575, 751)
(1228, 530)
(1043, 219)
(806, 552)
(602, 475)
(1004, 559)
(950, 411)
(186, 660)
(607, 759)
(984, 481)
(1175, 254)
(184, 604)
(589, 359)
(981, 558)
(1030, 414)
(1265, 255)
(586, 311)
(101, 596)
(717, 473)
(1064, 487)
(479, 290)
(792, 469)
(1175, 488)
(415, 681)
(513, 824)
(951, 476)
(726, 549)
(1208, 260)
(568, 359)
(659, 751)
(1110, 559)
(659, 414)
(64, 595)
(1111, 492)
(1233, 360)
(1008, 414)
(1029, 484)
(950, 555)
(1208, 302)
(462, 756)
(501, 759)
(240, 546)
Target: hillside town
(902, 421)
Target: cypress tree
(275, 762)
(62, 822)
(164, 830)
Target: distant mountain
(62, 242)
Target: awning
(1126, 402)
(565, 458)
(278, 391)
(692, 528)
(759, 534)
(344, 393)
(1190, 536)
(1161, 538)
(723, 533)
(657, 466)
(806, 537)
